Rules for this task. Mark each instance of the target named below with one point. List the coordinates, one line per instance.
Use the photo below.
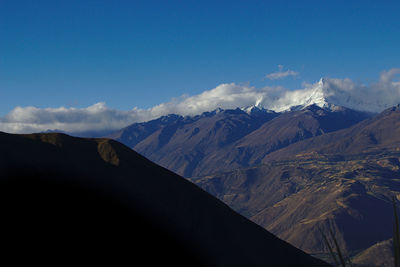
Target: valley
(295, 199)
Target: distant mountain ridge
(329, 94)
(227, 139)
(373, 135)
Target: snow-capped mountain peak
(333, 93)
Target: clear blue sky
(141, 53)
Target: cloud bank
(95, 118)
(100, 118)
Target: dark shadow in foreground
(55, 223)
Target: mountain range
(229, 139)
(341, 181)
(313, 168)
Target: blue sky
(142, 53)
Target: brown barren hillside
(295, 199)
(380, 254)
(341, 181)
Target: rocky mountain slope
(97, 201)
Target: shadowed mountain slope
(98, 201)
(229, 139)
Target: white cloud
(374, 97)
(226, 96)
(98, 117)
(281, 74)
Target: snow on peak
(330, 93)
(251, 108)
(311, 95)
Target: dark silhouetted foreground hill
(66, 199)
